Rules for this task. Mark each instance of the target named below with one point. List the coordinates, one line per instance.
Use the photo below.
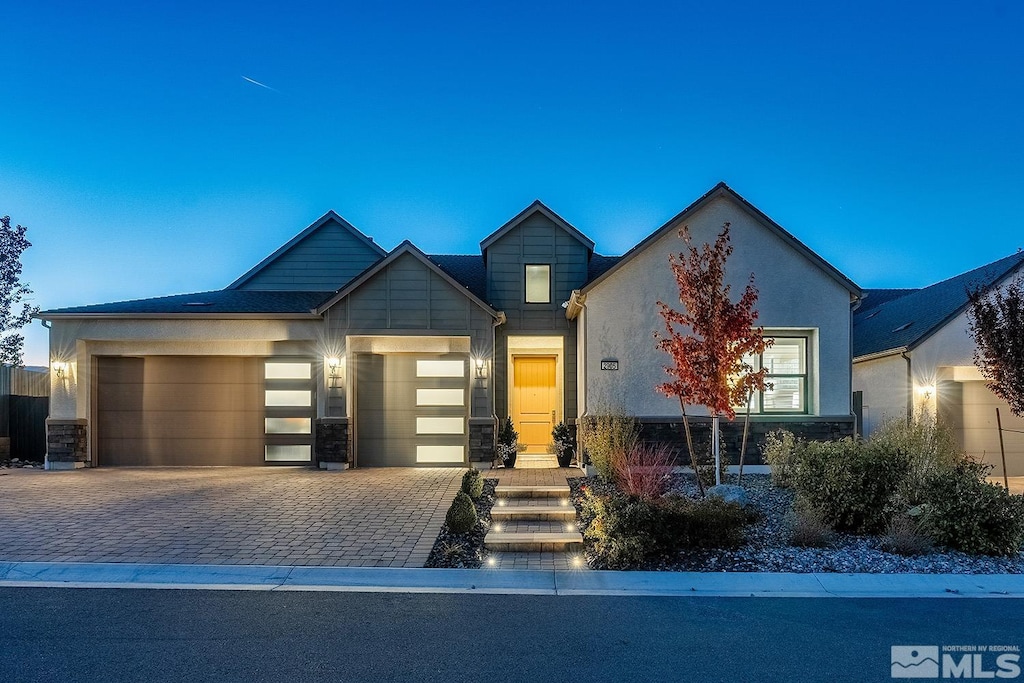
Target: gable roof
(904, 322)
(235, 303)
(537, 207)
(723, 190)
(405, 247)
(329, 217)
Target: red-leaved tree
(711, 339)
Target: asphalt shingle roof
(466, 269)
(897, 318)
(598, 265)
(219, 301)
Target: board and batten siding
(408, 298)
(325, 260)
(537, 240)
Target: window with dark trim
(538, 284)
(786, 362)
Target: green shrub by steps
(965, 512)
(461, 516)
(625, 531)
(473, 483)
(850, 484)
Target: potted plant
(508, 443)
(563, 443)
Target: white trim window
(786, 362)
(538, 283)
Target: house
(912, 351)
(333, 351)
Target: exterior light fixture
(60, 369)
(481, 368)
(333, 364)
(927, 391)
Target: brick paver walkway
(387, 517)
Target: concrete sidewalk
(529, 582)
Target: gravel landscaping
(767, 548)
(465, 551)
(18, 463)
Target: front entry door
(534, 400)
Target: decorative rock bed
(18, 463)
(465, 551)
(767, 546)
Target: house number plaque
(609, 365)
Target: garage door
(411, 409)
(981, 435)
(162, 410)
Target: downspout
(500, 320)
(857, 301)
(910, 388)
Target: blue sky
(886, 136)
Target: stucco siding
(325, 260)
(883, 382)
(795, 295)
(950, 345)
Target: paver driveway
(386, 517)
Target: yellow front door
(534, 400)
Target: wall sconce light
(60, 369)
(481, 368)
(333, 365)
(927, 391)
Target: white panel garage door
(980, 434)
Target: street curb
(507, 582)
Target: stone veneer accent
(654, 430)
(331, 441)
(67, 444)
(482, 432)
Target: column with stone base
(67, 444)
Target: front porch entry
(534, 400)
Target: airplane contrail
(262, 85)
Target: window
(786, 363)
(440, 368)
(538, 284)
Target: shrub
(850, 484)
(624, 531)
(965, 512)
(461, 516)
(905, 536)
(508, 442)
(708, 523)
(563, 444)
(643, 470)
(807, 529)
(473, 483)
(927, 444)
(779, 451)
(603, 436)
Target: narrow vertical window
(538, 284)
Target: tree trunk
(743, 445)
(716, 447)
(689, 446)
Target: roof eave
(537, 206)
(45, 315)
(880, 354)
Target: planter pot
(565, 460)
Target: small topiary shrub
(965, 512)
(461, 516)
(850, 484)
(563, 444)
(508, 443)
(473, 483)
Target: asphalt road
(51, 634)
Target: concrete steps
(534, 519)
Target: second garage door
(411, 409)
(172, 411)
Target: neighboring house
(913, 351)
(332, 350)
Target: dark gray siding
(407, 298)
(325, 260)
(537, 240)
